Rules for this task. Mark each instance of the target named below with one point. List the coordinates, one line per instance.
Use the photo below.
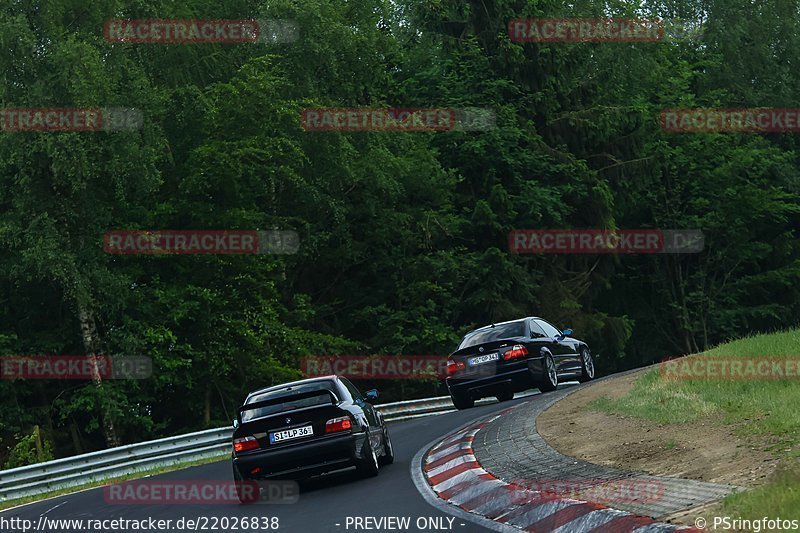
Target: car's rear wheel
(505, 396)
(242, 489)
(388, 450)
(368, 467)
(462, 402)
(549, 380)
(587, 366)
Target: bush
(25, 451)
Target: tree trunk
(39, 452)
(682, 316)
(207, 410)
(76, 440)
(222, 401)
(91, 343)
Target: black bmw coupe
(309, 427)
(501, 359)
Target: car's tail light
(454, 366)
(342, 423)
(245, 444)
(518, 351)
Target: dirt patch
(704, 450)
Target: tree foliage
(404, 235)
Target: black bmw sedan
(501, 359)
(309, 427)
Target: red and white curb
(456, 476)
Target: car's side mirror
(235, 423)
(371, 395)
(564, 334)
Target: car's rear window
(290, 404)
(502, 331)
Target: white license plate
(479, 360)
(289, 434)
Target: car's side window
(344, 392)
(536, 331)
(549, 329)
(352, 390)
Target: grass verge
(779, 498)
(765, 410)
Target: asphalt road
(324, 503)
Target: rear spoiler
(286, 397)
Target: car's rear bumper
(304, 458)
(520, 377)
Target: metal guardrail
(79, 470)
(115, 462)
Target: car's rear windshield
(502, 331)
(289, 404)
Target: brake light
(245, 444)
(517, 351)
(454, 366)
(338, 424)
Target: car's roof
(506, 322)
(331, 377)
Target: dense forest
(403, 235)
